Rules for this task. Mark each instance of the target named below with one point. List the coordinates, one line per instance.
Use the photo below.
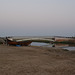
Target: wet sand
(36, 61)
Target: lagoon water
(64, 46)
(69, 48)
(39, 44)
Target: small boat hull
(15, 43)
(24, 43)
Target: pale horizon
(37, 18)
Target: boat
(10, 41)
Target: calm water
(64, 46)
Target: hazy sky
(37, 17)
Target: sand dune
(36, 61)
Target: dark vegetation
(42, 41)
(63, 42)
(1, 43)
(66, 42)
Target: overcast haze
(37, 17)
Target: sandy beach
(36, 61)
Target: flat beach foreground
(36, 61)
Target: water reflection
(61, 45)
(64, 46)
(70, 47)
(39, 44)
